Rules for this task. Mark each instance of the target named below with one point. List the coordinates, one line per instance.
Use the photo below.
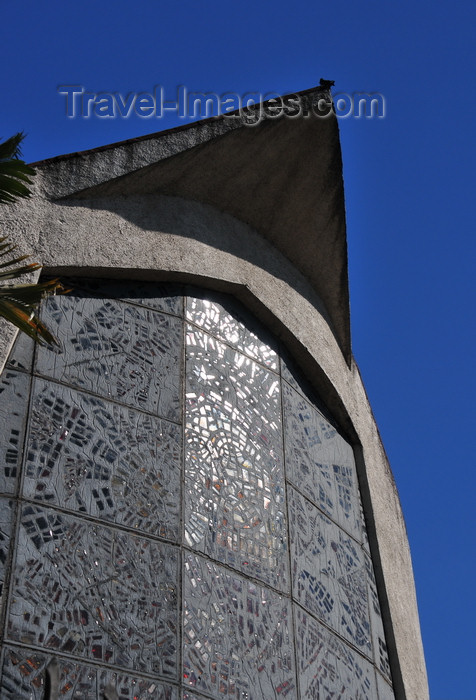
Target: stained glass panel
(223, 318)
(234, 476)
(320, 463)
(329, 572)
(21, 355)
(117, 350)
(102, 475)
(329, 668)
(237, 635)
(14, 396)
(23, 676)
(114, 463)
(6, 521)
(94, 592)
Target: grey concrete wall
(158, 237)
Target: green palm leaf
(15, 174)
(19, 302)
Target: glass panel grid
(329, 572)
(320, 463)
(381, 659)
(99, 446)
(327, 666)
(24, 677)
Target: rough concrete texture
(200, 214)
(283, 177)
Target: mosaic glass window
(7, 508)
(23, 675)
(329, 572)
(121, 351)
(320, 462)
(237, 635)
(94, 592)
(329, 668)
(98, 457)
(180, 517)
(14, 397)
(234, 475)
(227, 322)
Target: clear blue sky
(409, 182)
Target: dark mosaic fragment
(7, 508)
(14, 397)
(21, 355)
(23, 676)
(162, 296)
(133, 687)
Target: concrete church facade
(195, 499)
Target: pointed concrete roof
(283, 177)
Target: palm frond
(29, 324)
(19, 271)
(14, 261)
(18, 302)
(15, 174)
(11, 148)
(18, 305)
(6, 248)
